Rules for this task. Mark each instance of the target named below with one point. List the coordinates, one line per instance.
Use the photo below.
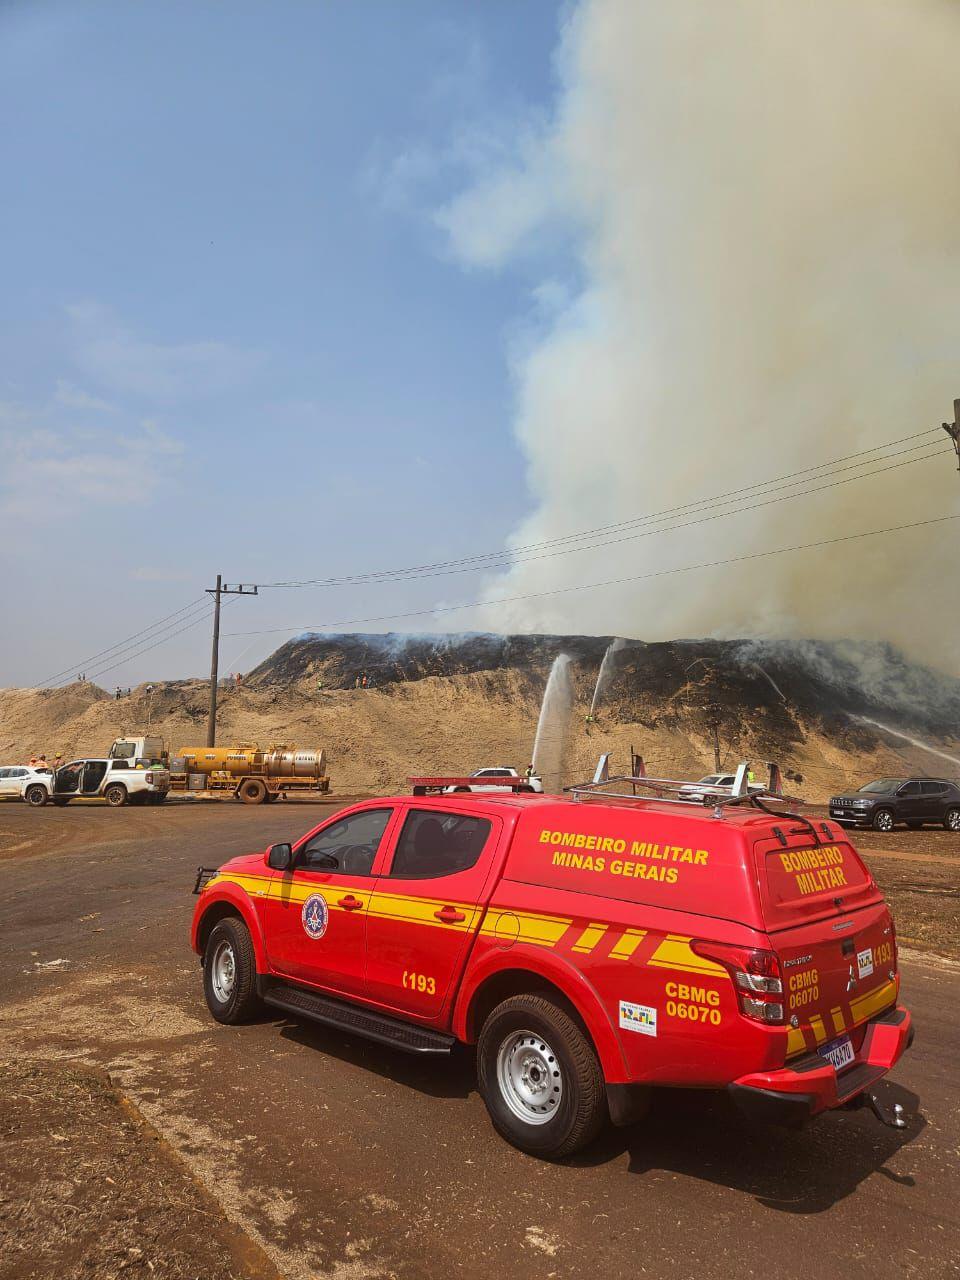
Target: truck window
(437, 844)
(122, 750)
(353, 841)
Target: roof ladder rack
(669, 790)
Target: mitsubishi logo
(851, 981)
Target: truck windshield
(883, 784)
(123, 750)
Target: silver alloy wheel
(223, 971)
(529, 1077)
(953, 819)
(884, 821)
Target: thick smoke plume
(766, 198)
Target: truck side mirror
(279, 857)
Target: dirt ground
(287, 1147)
(88, 1188)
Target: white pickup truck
(111, 780)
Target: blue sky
(235, 332)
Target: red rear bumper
(810, 1084)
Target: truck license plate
(838, 1052)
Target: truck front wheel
(540, 1078)
(230, 972)
(36, 796)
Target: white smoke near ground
(765, 195)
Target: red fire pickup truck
(591, 947)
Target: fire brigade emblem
(314, 916)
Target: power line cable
(121, 644)
(509, 562)
(204, 615)
(517, 552)
(610, 582)
(494, 560)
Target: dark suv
(914, 801)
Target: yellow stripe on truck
(589, 938)
(628, 944)
(817, 1027)
(795, 1042)
(866, 1006)
(674, 953)
(540, 931)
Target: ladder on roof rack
(740, 791)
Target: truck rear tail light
(148, 777)
(761, 1010)
(755, 974)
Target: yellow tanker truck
(253, 775)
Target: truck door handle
(349, 903)
(449, 915)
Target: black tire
(951, 819)
(252, 791)
(883, 820)
(115, 795)
(553, 1043)
(36, 796)
(241, 1002)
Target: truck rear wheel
(115, 795)
(230, 972)
(540, 1078)
(252, 791)
(36, 796)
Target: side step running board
(359, 1021)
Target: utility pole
(953, 430)
(219, 590)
